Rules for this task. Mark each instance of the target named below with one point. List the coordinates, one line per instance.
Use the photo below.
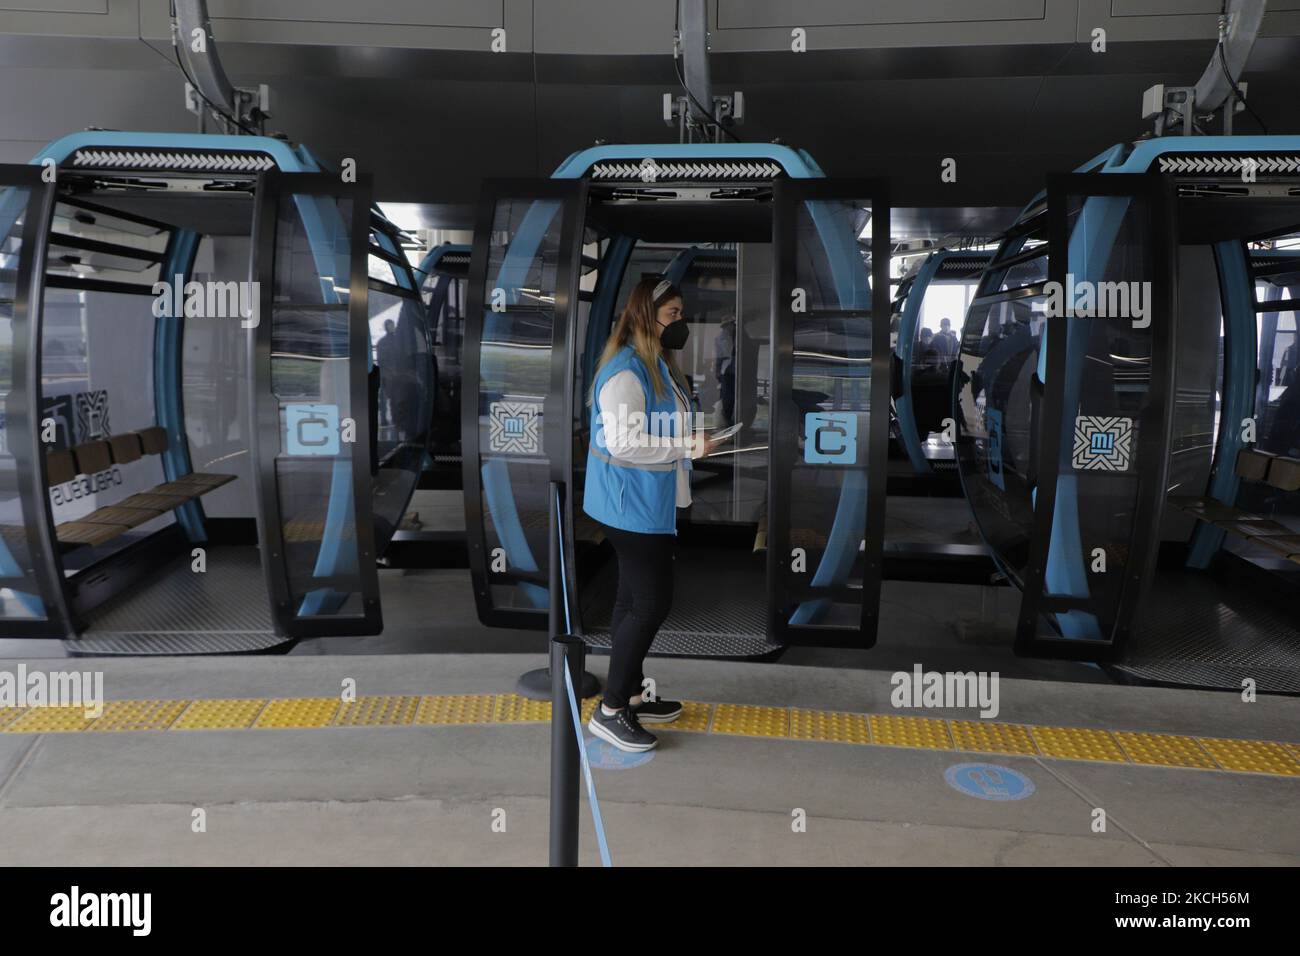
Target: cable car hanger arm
(237, 110)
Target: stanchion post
(555, 609)
(567, 653)
(537, 684)
(566, 763)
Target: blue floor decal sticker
(604, 756)
(988, 781)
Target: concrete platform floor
(430, 795)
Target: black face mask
(675, 334)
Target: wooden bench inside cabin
(1260, 467)
(105, 524)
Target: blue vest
(623, 494)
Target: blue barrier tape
(586, 771)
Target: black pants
(645, 595)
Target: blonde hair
(638, 327)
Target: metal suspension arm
(699, 114)
(1217, 88)
(235, 109)
(1237, 34)
(693, 30)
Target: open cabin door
(830, 411)
(32, 597)
(311, 404)
(516, 431)
(1103, 430)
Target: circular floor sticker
(605, 756)
(988, 781)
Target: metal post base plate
(536, 684)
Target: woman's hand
(702, 445)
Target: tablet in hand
(726, 433)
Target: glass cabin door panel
(829, 410)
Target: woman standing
(638, 474)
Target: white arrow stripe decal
(1229, 164)
(177, 161)
(683, 170)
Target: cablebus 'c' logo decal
(831, 438)
(311, 429)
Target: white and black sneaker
(622, 729)
(658, 711)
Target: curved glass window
(999, 394)
(514, 381)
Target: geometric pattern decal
(92, 415)
(514, 428)
(1102, 443)
(78, 417)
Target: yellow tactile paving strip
(1252, 756)
(378, 712)
(122, 715)
(925, 733)
(695, 716)
(977, 736)
(750, 721)
(226, 714)
(458, 709)
(1273, 758)
(50, 720)
(299, 712)
(513, 709)
(830, 726)
(1078, 743)
(1164, 750)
